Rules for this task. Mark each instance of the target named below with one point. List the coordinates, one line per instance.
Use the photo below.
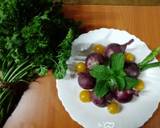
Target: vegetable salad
(110, 75)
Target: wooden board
(113, 2)
(43, 108)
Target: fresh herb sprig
(63, 55)
(112, 76)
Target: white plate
(134, 113)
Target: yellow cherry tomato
(114, 107)
(85, 96)
(129, 57)
(139, 86)
(98, 48)
(80, 67)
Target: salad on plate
(109, 75)
(115, 71)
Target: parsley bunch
(34, 37)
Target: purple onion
(103, 101)
(123, 96)
(100, 102)
(116, 48)
(108, 97)
(94, 59)
(132, 69)
(86, 81)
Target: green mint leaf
(101, 88)
(101, 72)
(121, 82)
(117, 61)
(122, 73)
(112, 83)
(131, 82)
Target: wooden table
(113, 2)
(40, 106)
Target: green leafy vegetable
(34, 37)
(110, 78)
(42, 71)
(38, 39)
(63, 55)
(121, 82)
(117, 61)
(101, 88)
(122, 73)
(101, 72)
(131, 82)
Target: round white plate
(134, 113)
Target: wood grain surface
(43, 108)
(113, 2)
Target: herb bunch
(33, 36)
(112, 76)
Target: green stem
(2, 93)
(4, 96)
(151, 65)
(10, 103)
(150, 57)
(19, 77)
(3, 68)
(8, 73)
(16, 70)
(20, 73)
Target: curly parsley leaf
(63, 55)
